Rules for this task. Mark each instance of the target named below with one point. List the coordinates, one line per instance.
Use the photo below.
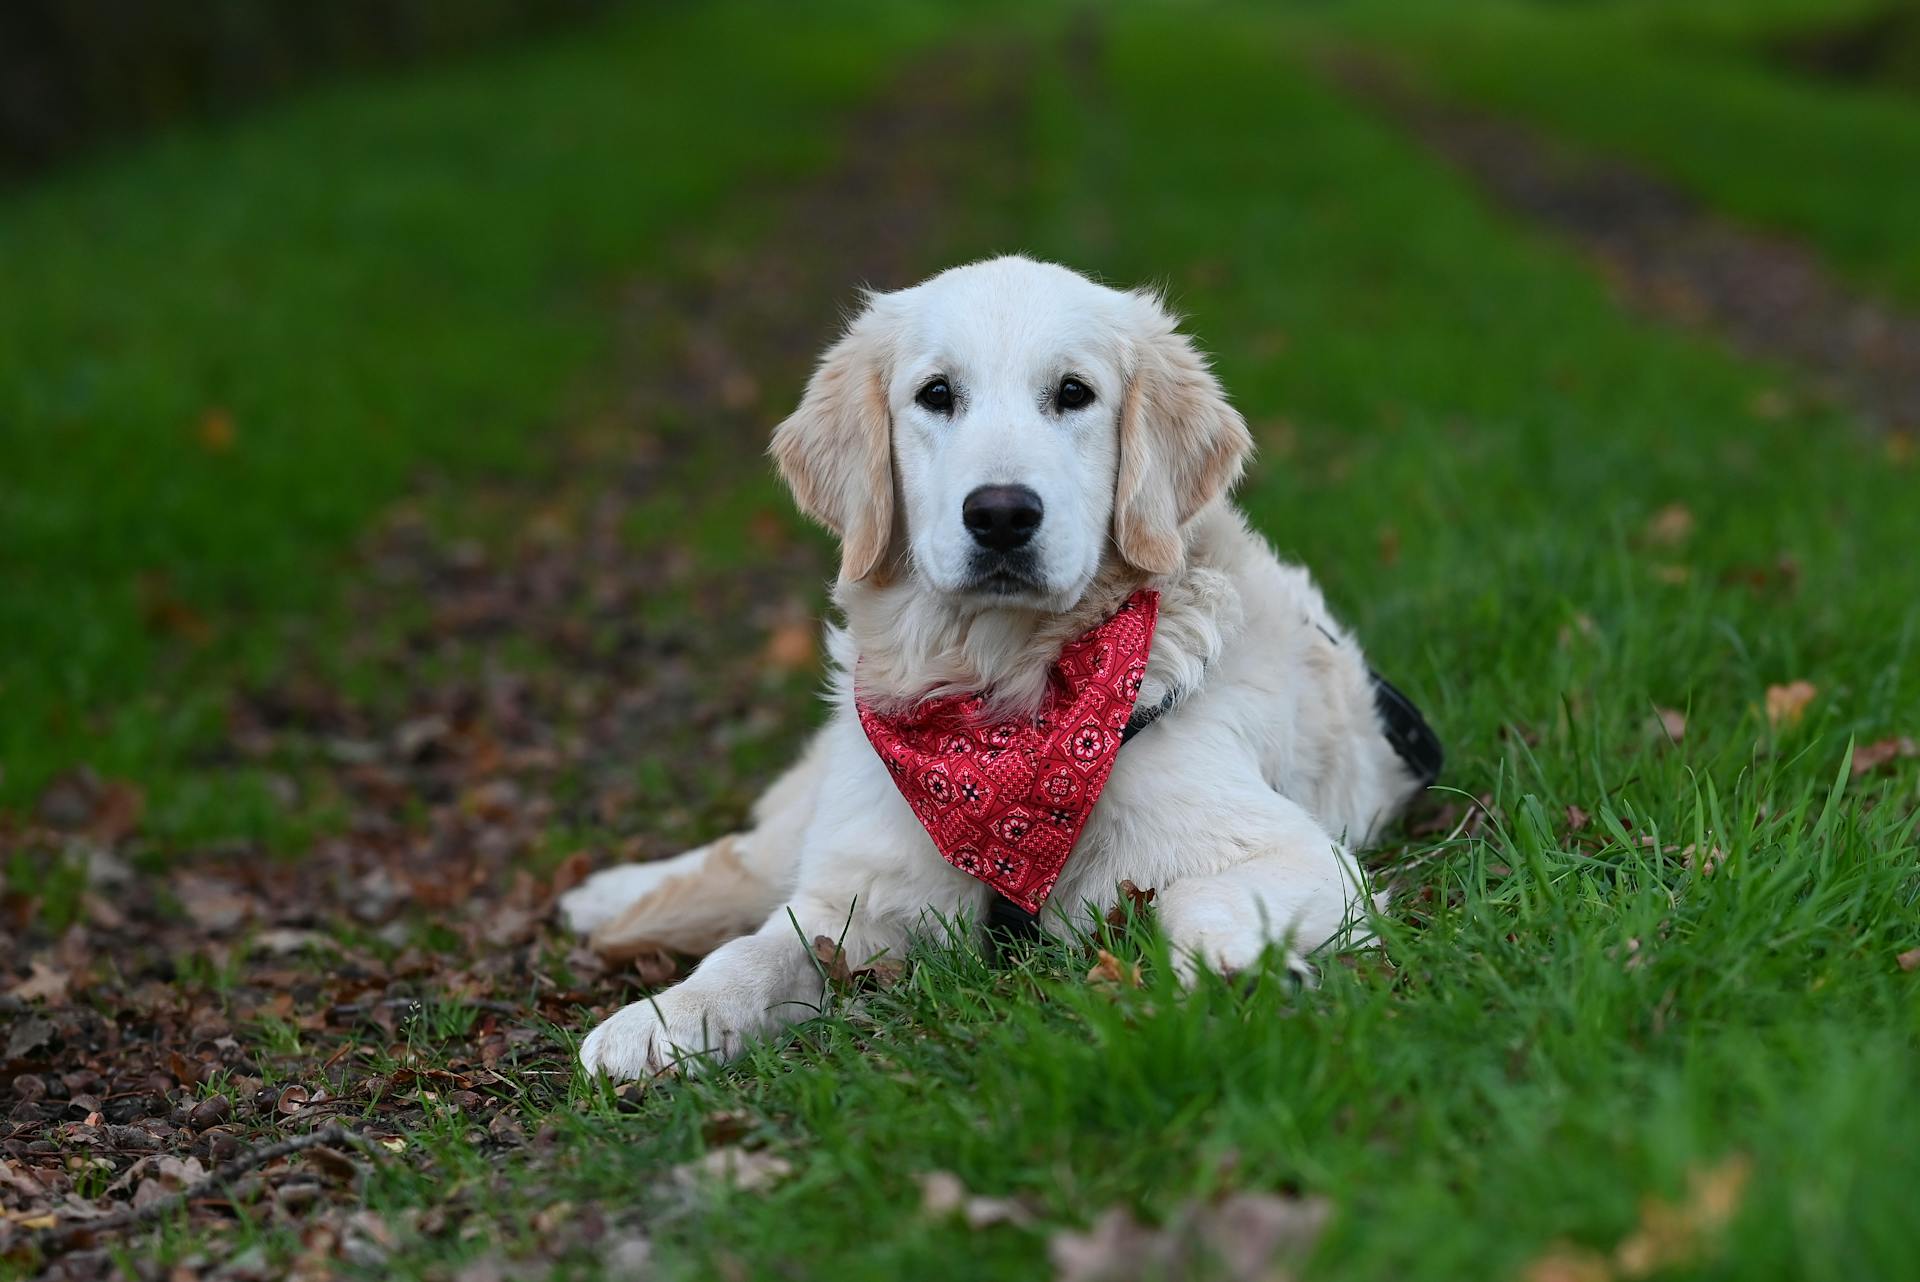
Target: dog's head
(1002, 429)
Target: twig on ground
(63, 1237)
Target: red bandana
(1005, 801)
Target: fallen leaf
(45, 984)
(1244, 1237)
(1787, 704)
(215, 905)
(1134, 902)
(1672, 722)
(282, 941)
(1111, 970)
(880, 972)
(1868, 757)
(1565, 1263)
(1116, 1248)
(1248, 1231)
(216, 433)
(572, 871)
(1707, 865)
(28, 1036)
(1673, 1235)
(790, 646)
(1671, 526)
(942, 1194)
(1577, 819)
(737, 1168)
(1909, 960)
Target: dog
(1015, 457)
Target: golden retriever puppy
(1027, 472)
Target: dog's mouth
(1004, 574)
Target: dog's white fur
(1241, 806)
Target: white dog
(1008, 452)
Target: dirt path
(1769, 296)
(546, 679)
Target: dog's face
(1001, 429)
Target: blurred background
(271, 270)
(386, 534)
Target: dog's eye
(936, 396)
(1073, 394)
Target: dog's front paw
(671, 1033)
(1233, 953)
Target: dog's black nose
(1002, 517)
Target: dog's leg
(750, 987)
(1266, 874)
(870, 877)
(698, 900)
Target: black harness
(1412, 739)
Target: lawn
(223, 354)
(1704, 95)
(1641, 1011)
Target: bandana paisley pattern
(1005, 801)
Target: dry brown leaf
(216, 906)
(1671, 526)
(1787, 704)
(1689, 856)
(1669, 1235)
(216, 432)
(879, 972)
(45, 984)
(1132, 899)
(790, 646)
(1244, 1237)
(1577, 819)
(1248, 1231)
(749, 1172)
(943, 1194)
(1565, 1263)
(1672, 722)
(1115, 1249)
(1869, 757)
(1109, 969)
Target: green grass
(384, 280)
(1695, 93)
(1519, 1076)
(1466, 440)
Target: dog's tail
(694, 902)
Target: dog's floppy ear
(1181, 444)
(835, 451)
